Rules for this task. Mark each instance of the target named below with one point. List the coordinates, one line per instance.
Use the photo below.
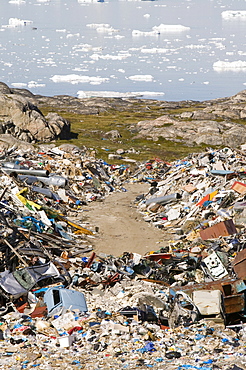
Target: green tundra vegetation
(89, 130)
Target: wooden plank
(15, 251)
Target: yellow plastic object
(51, 213)
(212, 195)
(28, 203)
(79, 228)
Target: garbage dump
(179, 307)
(200, 200)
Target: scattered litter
(61, 303)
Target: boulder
(4, 89)
(113, 134)
(9, 143)
(20, 118)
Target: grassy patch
(89, 130)
(179, 111)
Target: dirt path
(121, 227)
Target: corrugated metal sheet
(234, 303)
(223, 228)
(239, 264)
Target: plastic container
(66, 341)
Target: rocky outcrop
(8, 143)
(218, 122)
(113, 134)
(215, 123)
(193, 132)
(20, 118)
(4, 89)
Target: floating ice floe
(195, 46)
(102, 27)
(119, 37)
(90, 1)
(114, 94)
(140, 0)
(69, 35)
(236, 65)
(234, 14)
(155, 51)
(96, 25)
(86, 48)
(109, 57)
(75, 79)
(33, 84)
(17, 2)
(145, 78)
(107, 94)
(147, 33)
(106, 29)
(162, 28)
(170, 28)
(30, 84)
(150, 93)
(14, 22)
(18, 85)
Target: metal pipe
(164, 199)
(40, 173)
(46, 192)
(51, 180)
(12, 165)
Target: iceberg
(96, 25)
(90, 1)
(106, 94)
(14, 22)
(155, 51)
(102, 27)
(17, 2)
(234, 14)
(235, 66)
(162, 28)
(109, 57)
(145, 78)
(18, 22)
(19, 85)
(142, 33)
(114, 94)
(75, 79)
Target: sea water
(163, 49)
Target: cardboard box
(239, 264)
(239, 187)
(223, 228)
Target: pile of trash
(44, 193)
(181, 307)
(200, 200)
(41, 216)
